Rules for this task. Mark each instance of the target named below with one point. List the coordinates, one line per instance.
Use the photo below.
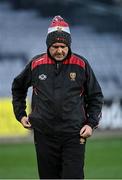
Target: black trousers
(59, 156)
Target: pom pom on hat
(58, 31)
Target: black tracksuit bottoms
(59, 156)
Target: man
(66, 104)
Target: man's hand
(85, 132)
(25, 122)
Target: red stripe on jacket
(41, 60)
(75, 60)
(46, 60)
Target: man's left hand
(86, 131)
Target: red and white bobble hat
(58, 31)
(58, 24)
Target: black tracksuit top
(66, 95)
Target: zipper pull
(57, 65)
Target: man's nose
(59, 50)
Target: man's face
(59, 51)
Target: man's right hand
(25, 122)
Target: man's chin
(59, 58)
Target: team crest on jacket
(42, 77)
(72, 76)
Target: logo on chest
(72, 76)
(42, 77)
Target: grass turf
(103, 160)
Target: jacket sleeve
(93, 98)
(20, 87)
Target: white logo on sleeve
(42, 77)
